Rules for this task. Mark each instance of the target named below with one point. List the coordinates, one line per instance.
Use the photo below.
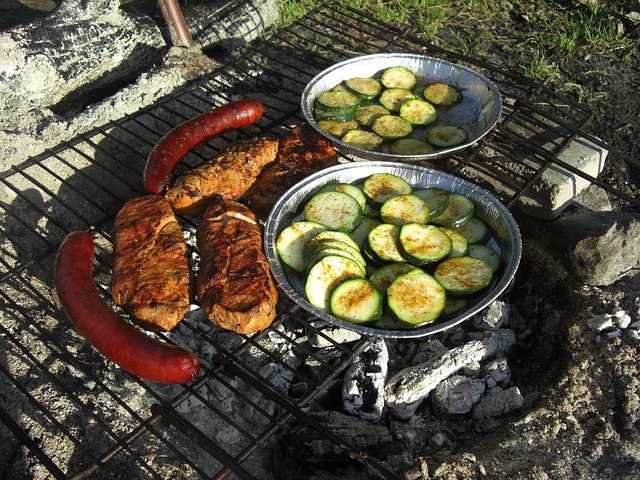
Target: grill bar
(62, 391)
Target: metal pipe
(180, 36)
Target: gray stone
(599, 248)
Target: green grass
(548, 32)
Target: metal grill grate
(58, 392)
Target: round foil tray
(505, 237)
(477, 114)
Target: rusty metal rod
(180, 36)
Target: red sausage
(171, 148)
(116, 339)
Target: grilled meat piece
(234, 284)
(302, 151)
(230, 174)
(151, 274)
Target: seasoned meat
(230, 174)
(151, 274)
(234, 284)
(302, 151)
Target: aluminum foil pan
(478, 113)
(505, 236)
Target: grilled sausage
(171, 148)
(234, 283)
(111, 335)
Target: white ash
(410, 386)
(363, 385)
(458, 394)
(329, 336)
(496, 314)
(497, 402)
(497, 373)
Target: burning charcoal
(497, 402)
(496, 315)
(363, 386)
(499, 342)
(428, 351)
(457, 337)
(472, 370)
(413, 384)
(335, 335)
(497, 372)
(458, 394)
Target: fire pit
(76, 414)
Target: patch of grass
(540, 68)
(594, 27)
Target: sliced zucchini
(463, 275)
(459, 211)
(336, 101)
(335, 210)
(334, 116)
(353, 190)
(391, 127)
(361, 232)
(423, 244)
(443, 135)
(418, 112)
(386, 274)
(403, 209)
(442, 94)
(475, 230)
(366, 114)
(436, 198)
(393, 98)
(410, 146)
(357, 301)
(416, 298)
(325, 276)
(382, 244)
(340, 87)
(328, 236)
(380, 187)
(398, 77)
(454, 305)
(291, 241)
(364, 87)
(337, 128)
(335, 249)
(363, 139)
(459, 243)
(488, 254)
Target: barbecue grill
(58, 391)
